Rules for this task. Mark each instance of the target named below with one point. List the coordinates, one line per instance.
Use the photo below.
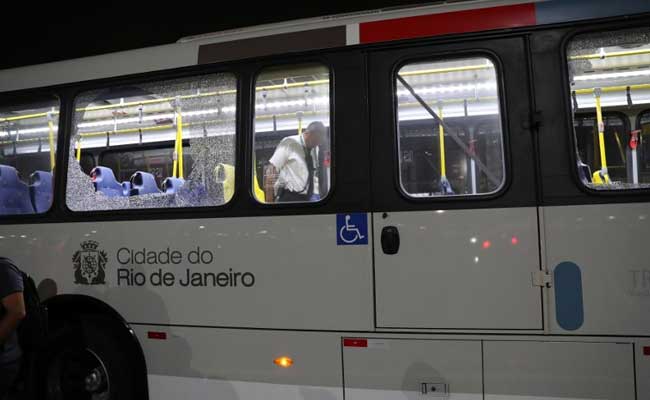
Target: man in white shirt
(290, 176)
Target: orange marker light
(487, 244)
(284, 362)
(514, 240)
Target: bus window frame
(152, 78)
(592, 28)
(29, 97)
(503, 112)
(293, 62)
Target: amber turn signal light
(284, 362)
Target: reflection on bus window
(154, 145)
(291, 160)
(449, 128)
(609, 74)
(28, 135)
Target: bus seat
(14, 193)
(104, 181)
(143, 183)
(126, 188)
(40, 190)
(171, 185)
(225, 174)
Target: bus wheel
(87, 363)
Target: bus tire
(86, 360)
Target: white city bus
(477, 226)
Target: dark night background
(34, 33)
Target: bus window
(292, 152)
(609, 85)
(449, 128)
(157, 145)
(28, 135)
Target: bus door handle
(390, 240)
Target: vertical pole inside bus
(634, 142)
(445, 187)
(601, 176)
(50, 125)
(178, 145)
(78, 147)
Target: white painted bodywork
(238, 364)
(554, 370)
(303, 280)
(609, 245)
(491, 368)
(642, 358)
(396, 369)
(175, 387)
(459, 269)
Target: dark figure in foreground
(12, 311)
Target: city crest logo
(89, 264)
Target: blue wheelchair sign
(351, 229)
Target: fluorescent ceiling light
(450, 89)
(612, 75)
(323, 100)
(132, 120)
(28, 131)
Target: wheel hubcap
(78, 374)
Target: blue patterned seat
(14, 193)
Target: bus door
(455, 220)
(596, 177)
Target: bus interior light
(612, 75)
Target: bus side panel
(642, 358)
(459, 269)
(552, 370)
(266, 272)
(608, 245)
(206, 363)
(388, 369)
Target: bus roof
(380, 25)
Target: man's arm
(14, 305)
(272, 170)
(270, 177)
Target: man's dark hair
(317, 128)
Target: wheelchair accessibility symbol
(352, 229)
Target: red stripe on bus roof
(451, 22)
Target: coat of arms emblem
(89, 264)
